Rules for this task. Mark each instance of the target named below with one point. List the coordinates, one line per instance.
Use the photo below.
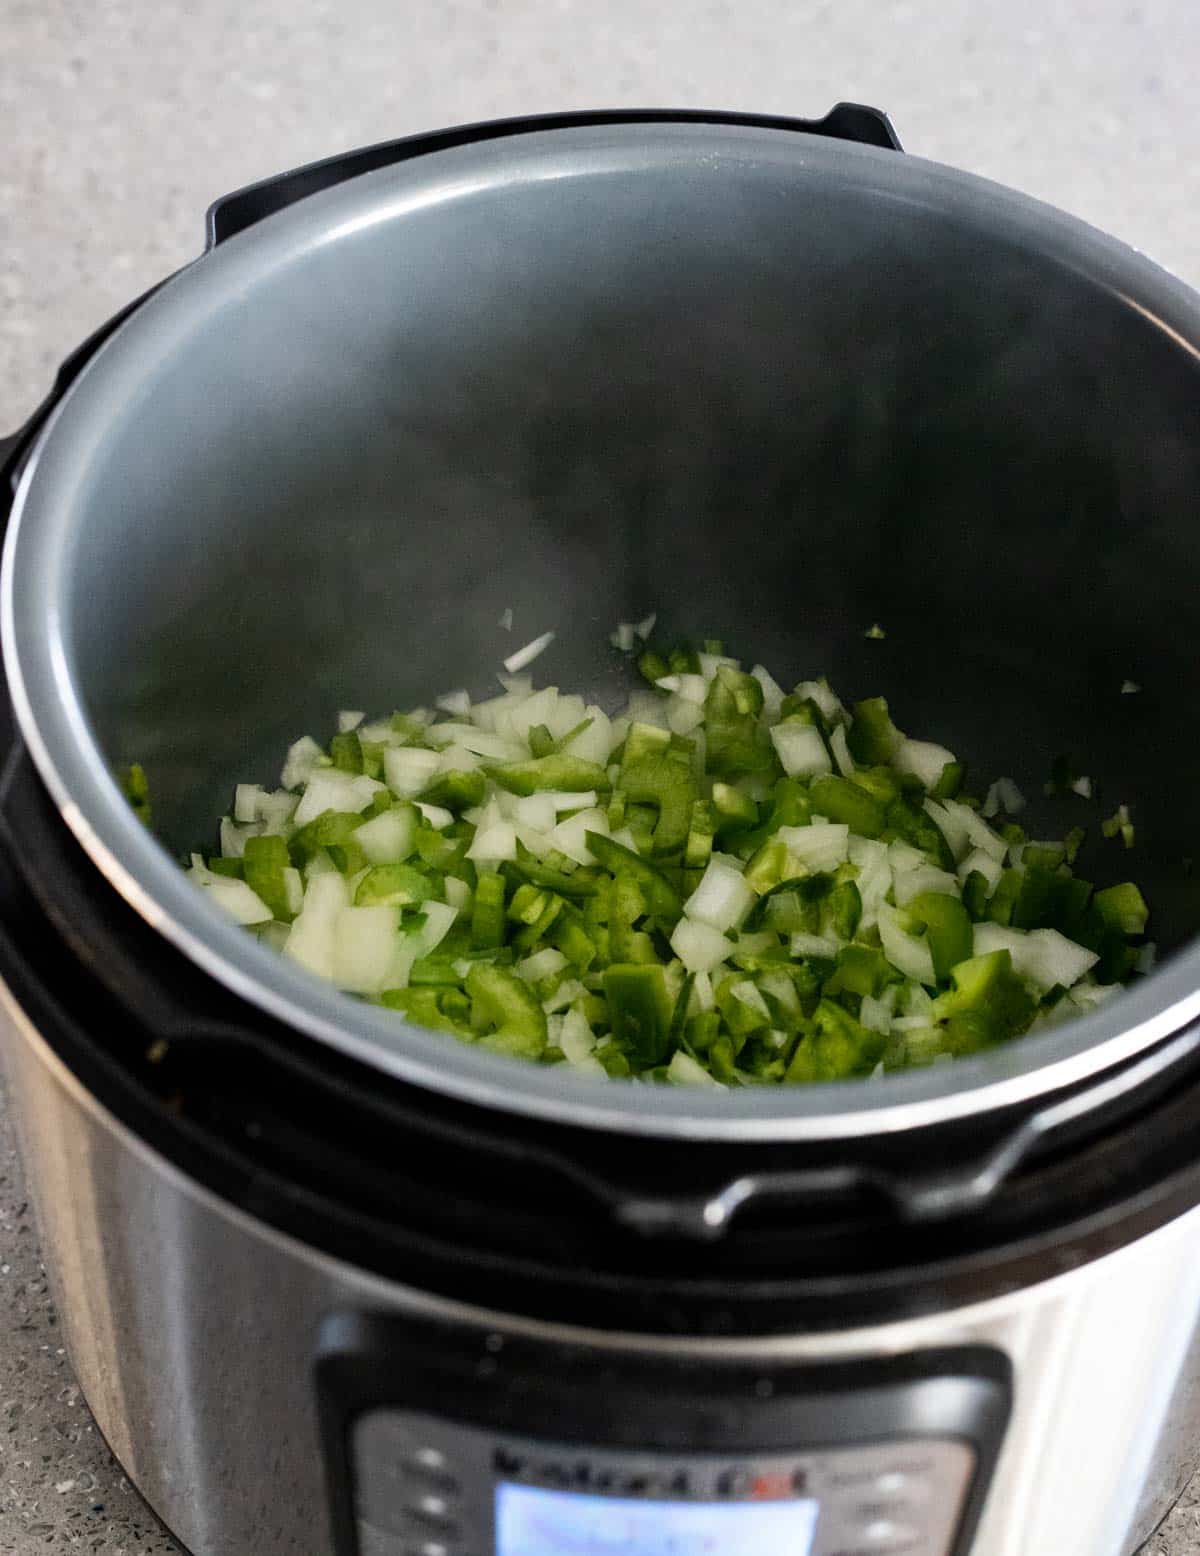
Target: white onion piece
(530, 652)
(801, 750)
(388, 837)
(699, 947)
(408, 769)
(722, 899)
(922, 759)
(819, 847)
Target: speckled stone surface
(122, 120)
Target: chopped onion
(683, 1070)
(985, 864)
(246, 799)
(1043, 956)
(312, 934)
(506, 619)
(456, 702)
(303, 759)
(364, 942)
(699, 946)
(927, 877)
(349, 720)
(772, 691)
(543, 964)
(840, 747)
(437, 816)
(814, 945)
(408, 770)
(909, 954)
(624, 637)
(237, 899)
(388, 837)
(722, 899)
(922, 759)
(526, 656)
(819, 847)
(801, 750)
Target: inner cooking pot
(772, 387)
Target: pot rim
(51, 499)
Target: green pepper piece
(235, 869)
(330, 829)
(722, 1058)
(627, 907)
(442, 851)
(948, 926)
(836, 1048)
(503, 1002)
(872, 736)
(538, 872)
(986, 999)
(434, 971)
(841, 911)
(639, 1010)
(135, 786)
(975, 895)
(802, 710)
(1123, 908)
(735, 811)
(699, 846)
(952, 778)
(662, 900)
(768, 868)
(645, 740)
(399, 884)
(912, 825)
(1043, 899)
(1004, 897)
(458, 789)
(790, 807)
(740, 1018)
(861, 970)
(264, 861)
(881, 783)
(346, 752)
(666, 784)
(703, 1029)
(683, 660)
(487, 913)
(424, 1006)
(842, 800)
(652, 665)
(735, 742)
(572, 939)
(559, 771)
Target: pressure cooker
(337, 1286)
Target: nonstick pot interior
(774, 389)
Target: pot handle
(235, 212)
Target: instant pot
(336, 1286)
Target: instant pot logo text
(579, 1475)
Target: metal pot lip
(49, 710)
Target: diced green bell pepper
(872, 736)
(487, 912)
(345, 751)
(330, 829)
(836, 1048)
(640, 1011)
(264, 861)
(458, 789)
(1122, 908)
(842, 800)
(662, 900)
(986, 990)
(399, 884)
(668, 786)
(560, 771)
(948, 929)
(506, 1005)
(136, 788)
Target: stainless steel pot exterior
(773, 387)
(192, 1328)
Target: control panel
(427, 1487)
(447, 1439)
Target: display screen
(531, 1521)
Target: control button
(430, 1464)
(901, 1485)
(433, 1510)
(888, 1534)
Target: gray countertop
(123, 120)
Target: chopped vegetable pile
(726, 885)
